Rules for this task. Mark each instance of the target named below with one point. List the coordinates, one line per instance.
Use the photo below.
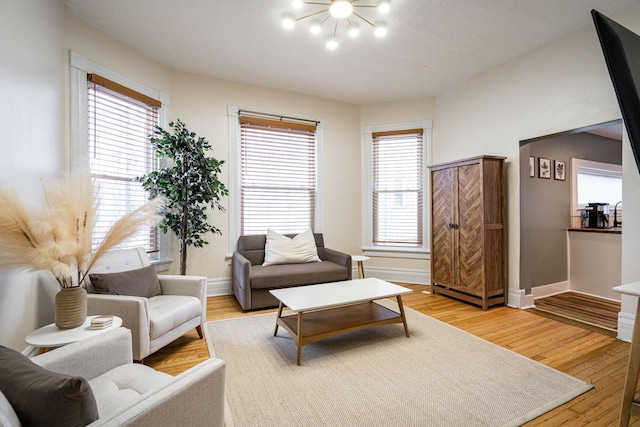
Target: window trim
(234, 210)
(79, 67)
(368, 248)
(604, 169)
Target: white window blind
(397, 188)
(120, 122)
(278, 175)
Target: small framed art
(559, 170)
(532, 166)
(544, 168)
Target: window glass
(277, 176)
(119, 127)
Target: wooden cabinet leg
(633, 368)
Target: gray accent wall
(545, 204)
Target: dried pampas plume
(58, 238)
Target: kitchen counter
(612, 230)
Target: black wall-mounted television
(621, 49)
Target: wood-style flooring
(582, 308)
(586, 354)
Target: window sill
(396, 253)
(162, 264)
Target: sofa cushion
(43, 398)
(121, 387)
(141, 282)
(166, 312)
(279, 276)
(280, 249)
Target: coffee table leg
(299, 338)
(275, 332)
(404, 318)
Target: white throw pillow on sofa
(281, 249)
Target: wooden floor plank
(580, 307)
(584, 353)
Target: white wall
(32, 122)
(562, 86)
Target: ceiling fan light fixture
(341, 9)
(343, 15)
(288, 22)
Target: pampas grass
(58, 238)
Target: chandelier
(343, 13)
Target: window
(119, 124)
(111, 120)
(396, 206)
(594, 182)
(273, 174)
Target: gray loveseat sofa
(251, 281)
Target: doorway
(547, 264)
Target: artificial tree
(190, 185)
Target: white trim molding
(79, 67)
(625, 326)
(234, 209)
(400, 275)
(369, 249)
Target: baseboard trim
(518, 299)
(219, 286)
(401, 275)
(625, 326)
(551, 289)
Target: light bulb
(315, 29)
(340, 9)
(354, 32)
(297, 4)
(384, 7)
(288, 23)
(332, 44)
(381, 31)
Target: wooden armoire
(468, 235)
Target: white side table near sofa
(51, 336)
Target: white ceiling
(431, 45)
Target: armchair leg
(199, 330)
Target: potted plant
(190, 185)
(58, 238)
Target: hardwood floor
(586, 354)
(591, 310)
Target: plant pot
(71, 307)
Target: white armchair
(156, 321)
(129, 393)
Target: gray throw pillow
(142, 282)
(43, 398)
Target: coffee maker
(596, 215)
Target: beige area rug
(440, 376)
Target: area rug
(439, 376)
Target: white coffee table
(334, 308)
(51, 336)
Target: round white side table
(360, 259)
(51, 336)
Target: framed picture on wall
(544, 168)
(532, 166)
(559, 170)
